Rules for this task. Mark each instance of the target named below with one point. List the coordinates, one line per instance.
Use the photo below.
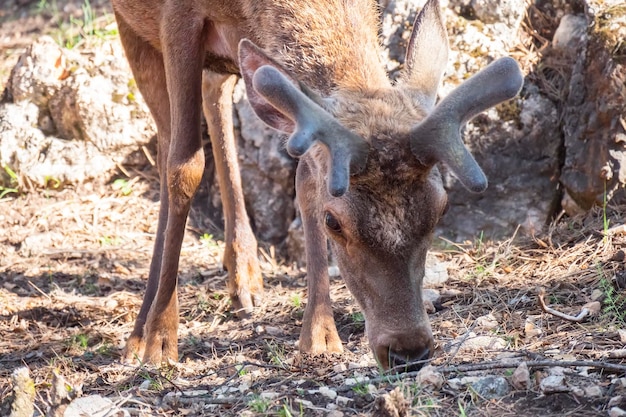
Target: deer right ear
(426, 54)
(251, 58)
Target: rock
(488, 322)
(472, 342)
(68, 117)
(521, 377)
(436, 272)
(94, 406)
(570, 33)
(343, 401)
(553, 384)
(617, 412)
(340, 367)
(598, 295)
(328, 392)
(615, 401)
(429, 377)
(622, 335)
(269, 395)
(491, 387)
(23, 398)
(593, 391)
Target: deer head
(374, 151)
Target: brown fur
(389, 212)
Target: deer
(369, 151)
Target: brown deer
(367, 148)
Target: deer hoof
(159, 349)
(244, 302)
(319, 335)
(133, 353)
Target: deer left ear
(251, 58)
(427, 54)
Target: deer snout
(405, 361)
(404, 352)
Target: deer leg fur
(319, 332)
(147, 66)
(245, 283)
(181, 161)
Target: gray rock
(491, 387)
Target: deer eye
(332, 223)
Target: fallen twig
(589, 308)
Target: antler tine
(438, 137)
(348, 152)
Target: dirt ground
(73, 265)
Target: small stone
(521, 377)
(597, 295)
(342, 401)
(491, 387)
(333, 271)
(472, 343)
(428, 376)
(553, 384)
(340, 367)
(350, 381)
(145, 385)
(334, 413)
(593, 391)
(273, 331)
(616, 412)
(95, 406)
(328, 392)
(622, 335)
(615, 401)
(436, 271)
(488, 322)
(268, 395)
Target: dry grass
(76, 262)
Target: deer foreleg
(245, 283)
(147, 65)
(319, 332)
(182, 37)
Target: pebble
(270, 395)
(616, 412)
(328, 392)
(593, 391)
(487, 322)
(93, 405)
(521, 377)
(491, 387)
(553, 384)
(342, 401)
(428, 376)
(340, 367)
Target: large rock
(68, 117)
(594, 110)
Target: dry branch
(589, 308)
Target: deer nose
(405, 361)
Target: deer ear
(427, 54)
(251, 58)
